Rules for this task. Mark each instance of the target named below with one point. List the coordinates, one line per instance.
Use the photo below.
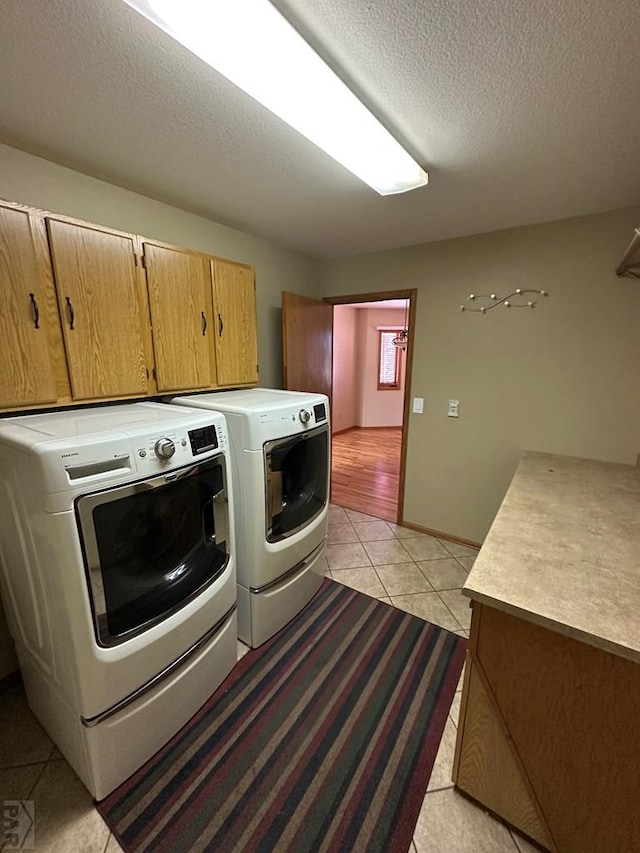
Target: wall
(561, 378)
(40, 183)
(377, 408)
(344, 398)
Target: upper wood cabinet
(234, 306)
(102, 309)
(31, 351)
(179, 284)
(91, 314)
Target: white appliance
(118, 575)
(280, 445)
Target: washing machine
(280, 451)
(117, 573)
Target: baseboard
(440, 535)
(348, 429)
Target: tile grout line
(453, 616)
(388, 594)
(35, 784)
(443, 788)
(27, 763)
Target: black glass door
(150, 547)
(297, 472)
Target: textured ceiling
(521, 112)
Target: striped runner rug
(323, 739)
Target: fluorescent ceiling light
(253, 46)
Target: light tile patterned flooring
(417, 573)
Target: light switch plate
(418, 405)
(454, 408)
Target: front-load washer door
(297, 481)
(152, 546)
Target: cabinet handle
(70, 312)
(220, 326)
(36, 310)
(204, 323)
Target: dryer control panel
(203, 439)
(68, 453)
(320, 412)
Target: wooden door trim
(379, 296)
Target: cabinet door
(234, 306)
(29, 322)
(179, 283)
(102, 317)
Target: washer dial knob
(165, 448)
(304, 416)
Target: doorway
(368, 381)
(369, 453)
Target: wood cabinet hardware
(36, 310)
(70, 312)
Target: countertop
(564, 551)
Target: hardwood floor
(365, 470)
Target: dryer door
(297, 481)
(152, 546)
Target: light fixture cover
(251, 44)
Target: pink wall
(344, 409)
(377, 408)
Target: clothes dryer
(280, 446)
(118, 575)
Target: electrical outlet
(418, 405)
(454, 408)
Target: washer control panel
(177, 447)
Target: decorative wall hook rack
(513, 300)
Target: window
(388, 362)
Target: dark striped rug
(324, 738)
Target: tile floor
(409, 570)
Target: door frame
(379, 296)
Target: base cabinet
(548, 737)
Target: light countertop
(564, 551)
